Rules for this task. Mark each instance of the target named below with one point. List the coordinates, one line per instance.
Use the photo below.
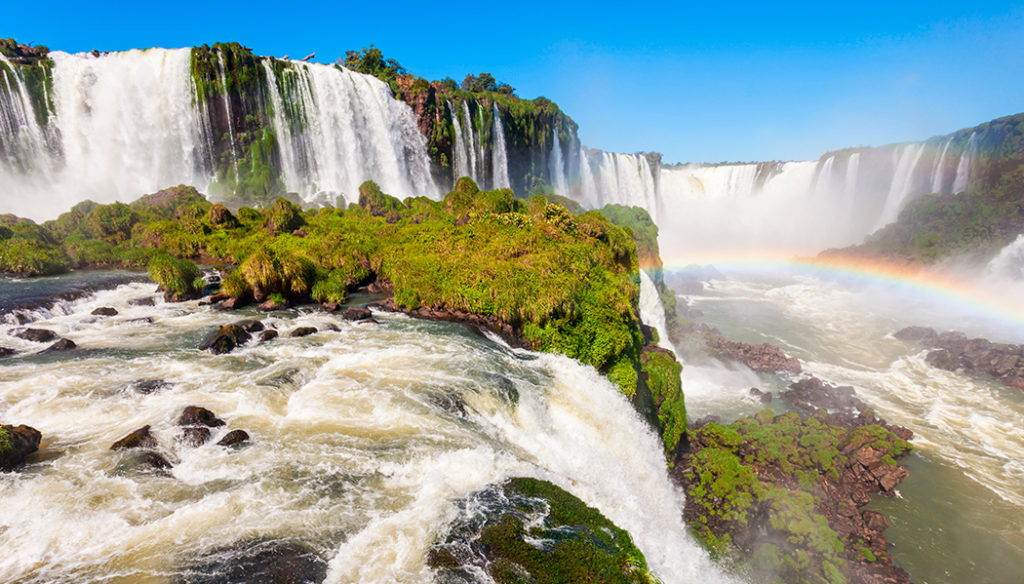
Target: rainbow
(970, 294)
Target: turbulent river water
(364, 437)
(961, 515)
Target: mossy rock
(529, 530)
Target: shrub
(175, 276)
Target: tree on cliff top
(371, 61)
(486, 82)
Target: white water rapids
(359, 445)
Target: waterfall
(588, 188)
(23, 143)
(939, 171)
(471, 142)
(963, 168)
(459, 149)
(352, 130)
(1009, 262)
(500, 160)
(902, 182)
(556, 166)
(129, 123)
(823, 183)
(652, 312)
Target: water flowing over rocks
(261, 562)
(141, 438)
(16, 444)
(953, 351)
(811, 394)
(303, 331)
(506, 331)
(234, 438)
(36, 335)
(105, 311)
(199, 416)
(60, 345)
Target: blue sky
(704, 82)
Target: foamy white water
(363, 439)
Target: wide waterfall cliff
(248, 129)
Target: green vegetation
(578, 543)
(181, 278)
(776, 467)
(6, 442)
(662, 375)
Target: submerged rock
(105, 311)
(61, 345)
(259, 562)
(141, 438)
(498, 531)
(953, 351)
(35, 335)
(268, 335)
(764, 357)
(225, 339)
(198, 416)
(251, 325)
(807, 395)
(303, 331)
(143, 301)
(16, 443)
(147, 386)
(356, 313)
(234, 438)
(5, 352)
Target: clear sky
(710, 81)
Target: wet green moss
(534, 531)
(179, 277)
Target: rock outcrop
(225, 339)
(16, 444)
(765, 357)
(953, 351)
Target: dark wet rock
(807, 395)
(259, 562)
(147, 386)
(105, 311)
(764, 396)
(213, 299)
(5, 352)
(953, 351)
(234, 438)
(765, 357)
(268, 335)
(143, 301)
(380, 286)
(302, 331)
(701, 422)
(270, 305)
(356, 313)
(35, 335)
(194, 436)
(61, 345)
(198, 416)
(251, 325)
(231, 304)
(497, 528)
(154, 460)
(16, 444)
(329, 306)
(225, 339)
(141, 438)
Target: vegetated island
(775, 496)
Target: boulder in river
(143, 301)
(60, 345)
(105, 311)
(198, 416)
(225, 339)
(16, 443)
(147, 386)
(5, 352)
(268, 335)
(272, 304)
(251, 325)
(35, 335)
(302, 331)
(234, 438)
(141, 438)
(356, 313)
(194, 436)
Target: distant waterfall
(130, 123)
(963, 168)
(500, 157)
(23, 142)
(652, 312)
(556, 166)
(907, 159)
